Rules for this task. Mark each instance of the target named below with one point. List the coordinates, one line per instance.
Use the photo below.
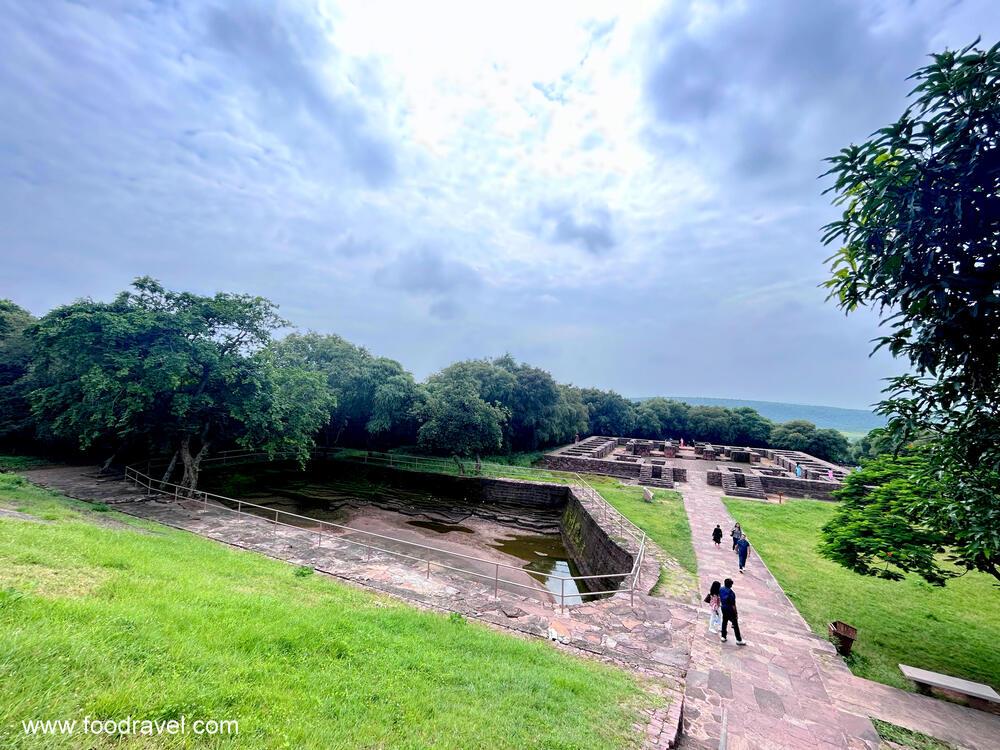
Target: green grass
(664, 521)
(108, 616)
(952, 630)
(908, 738)
(21, 463)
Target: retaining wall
(593, 550)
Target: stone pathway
(788, 688)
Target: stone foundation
(792, 487)
(623, 469)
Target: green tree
(920, 242)
(569, 419)
(751, 429)
(873, 532)
(157, 369)
(801, 435)
(714, 424)
(609, 413)
(457, 421)
(15, 358)
(373, 397)
(874, 444)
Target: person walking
(743, 550)
(715, 607)
(798, 471)
(736, 533)
(717, 535)
(727, 603)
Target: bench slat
(967, 687)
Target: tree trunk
(107, 464)
(192, 463)
(170, 469)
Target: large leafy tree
(15, 357)
(569, 418)
(374, 397)
(802, 435)
(610, 413)
(920, 242)
(158, 369)
(873, 532)
(457, 420)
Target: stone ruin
(741, 471)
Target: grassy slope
(954, 630)
(666, 523)
(104, 615)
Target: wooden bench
(980, 696)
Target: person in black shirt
(717, 535)
(727, 598)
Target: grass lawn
(111, 617)
(21, 463)
(954, 630)
(663, 520)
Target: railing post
(275, 523)
(428, 569)
(562, 596)
(239, 507)
(496, 582)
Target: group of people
(741, 545)
(721, 599)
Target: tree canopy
(170, 371)
(160, 372)
(920, 243)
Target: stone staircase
(751, 486)
(646, 478)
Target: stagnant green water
(335, 493)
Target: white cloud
(618, 194)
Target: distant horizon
(761, 401)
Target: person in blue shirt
(727, 600)
(743, 550)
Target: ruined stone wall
(625, 469)
(792, 487)
(518, 492)
(787, 486)
(593, 550)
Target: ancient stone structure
(740, 471)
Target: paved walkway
(788, 688)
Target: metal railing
(631, 579)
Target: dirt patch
(8, 512)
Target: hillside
(853, 421)
(108, 617)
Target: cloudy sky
(628, 198)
